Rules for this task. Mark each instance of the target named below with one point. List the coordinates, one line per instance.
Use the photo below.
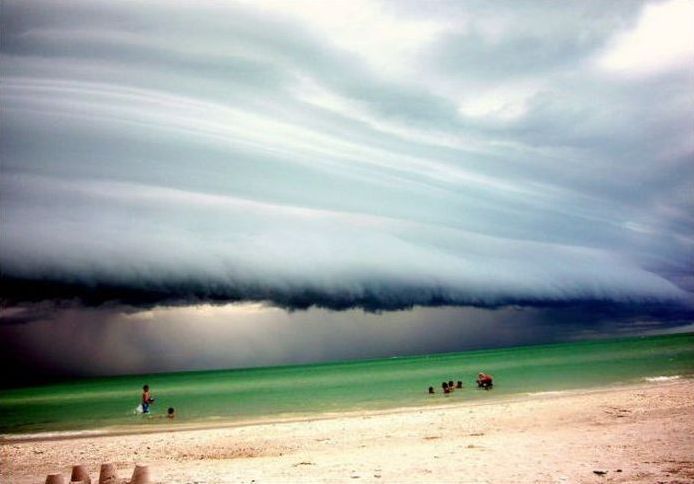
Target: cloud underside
(19, 291)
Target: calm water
(235, 395)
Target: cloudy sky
(308, 180)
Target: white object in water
(656, 379)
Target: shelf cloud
(394, 156)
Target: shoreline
(119, 431)
(634, 433)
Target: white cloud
(662, 40)
(503, 103)
(363, 27)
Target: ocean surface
(297, 391)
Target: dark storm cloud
(232, 336)
(290, 153)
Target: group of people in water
(148, 400)
(484, 381)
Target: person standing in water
(485, 381)
(147, 399)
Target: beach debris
(304, 464)
(617, 412)
(600, 473)
(55, 479)
(80, 474)
(140, 475)
(107, 474)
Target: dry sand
(633, 434)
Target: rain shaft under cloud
(346, 154)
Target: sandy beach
(639, 433)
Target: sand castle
(107, 475)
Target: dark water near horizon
(295, 391)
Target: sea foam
(659, 379)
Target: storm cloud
(378, 155)
(57, 342)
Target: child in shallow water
(147, 399)
(171, 413)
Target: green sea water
(298, 391)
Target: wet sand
(640, 433)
